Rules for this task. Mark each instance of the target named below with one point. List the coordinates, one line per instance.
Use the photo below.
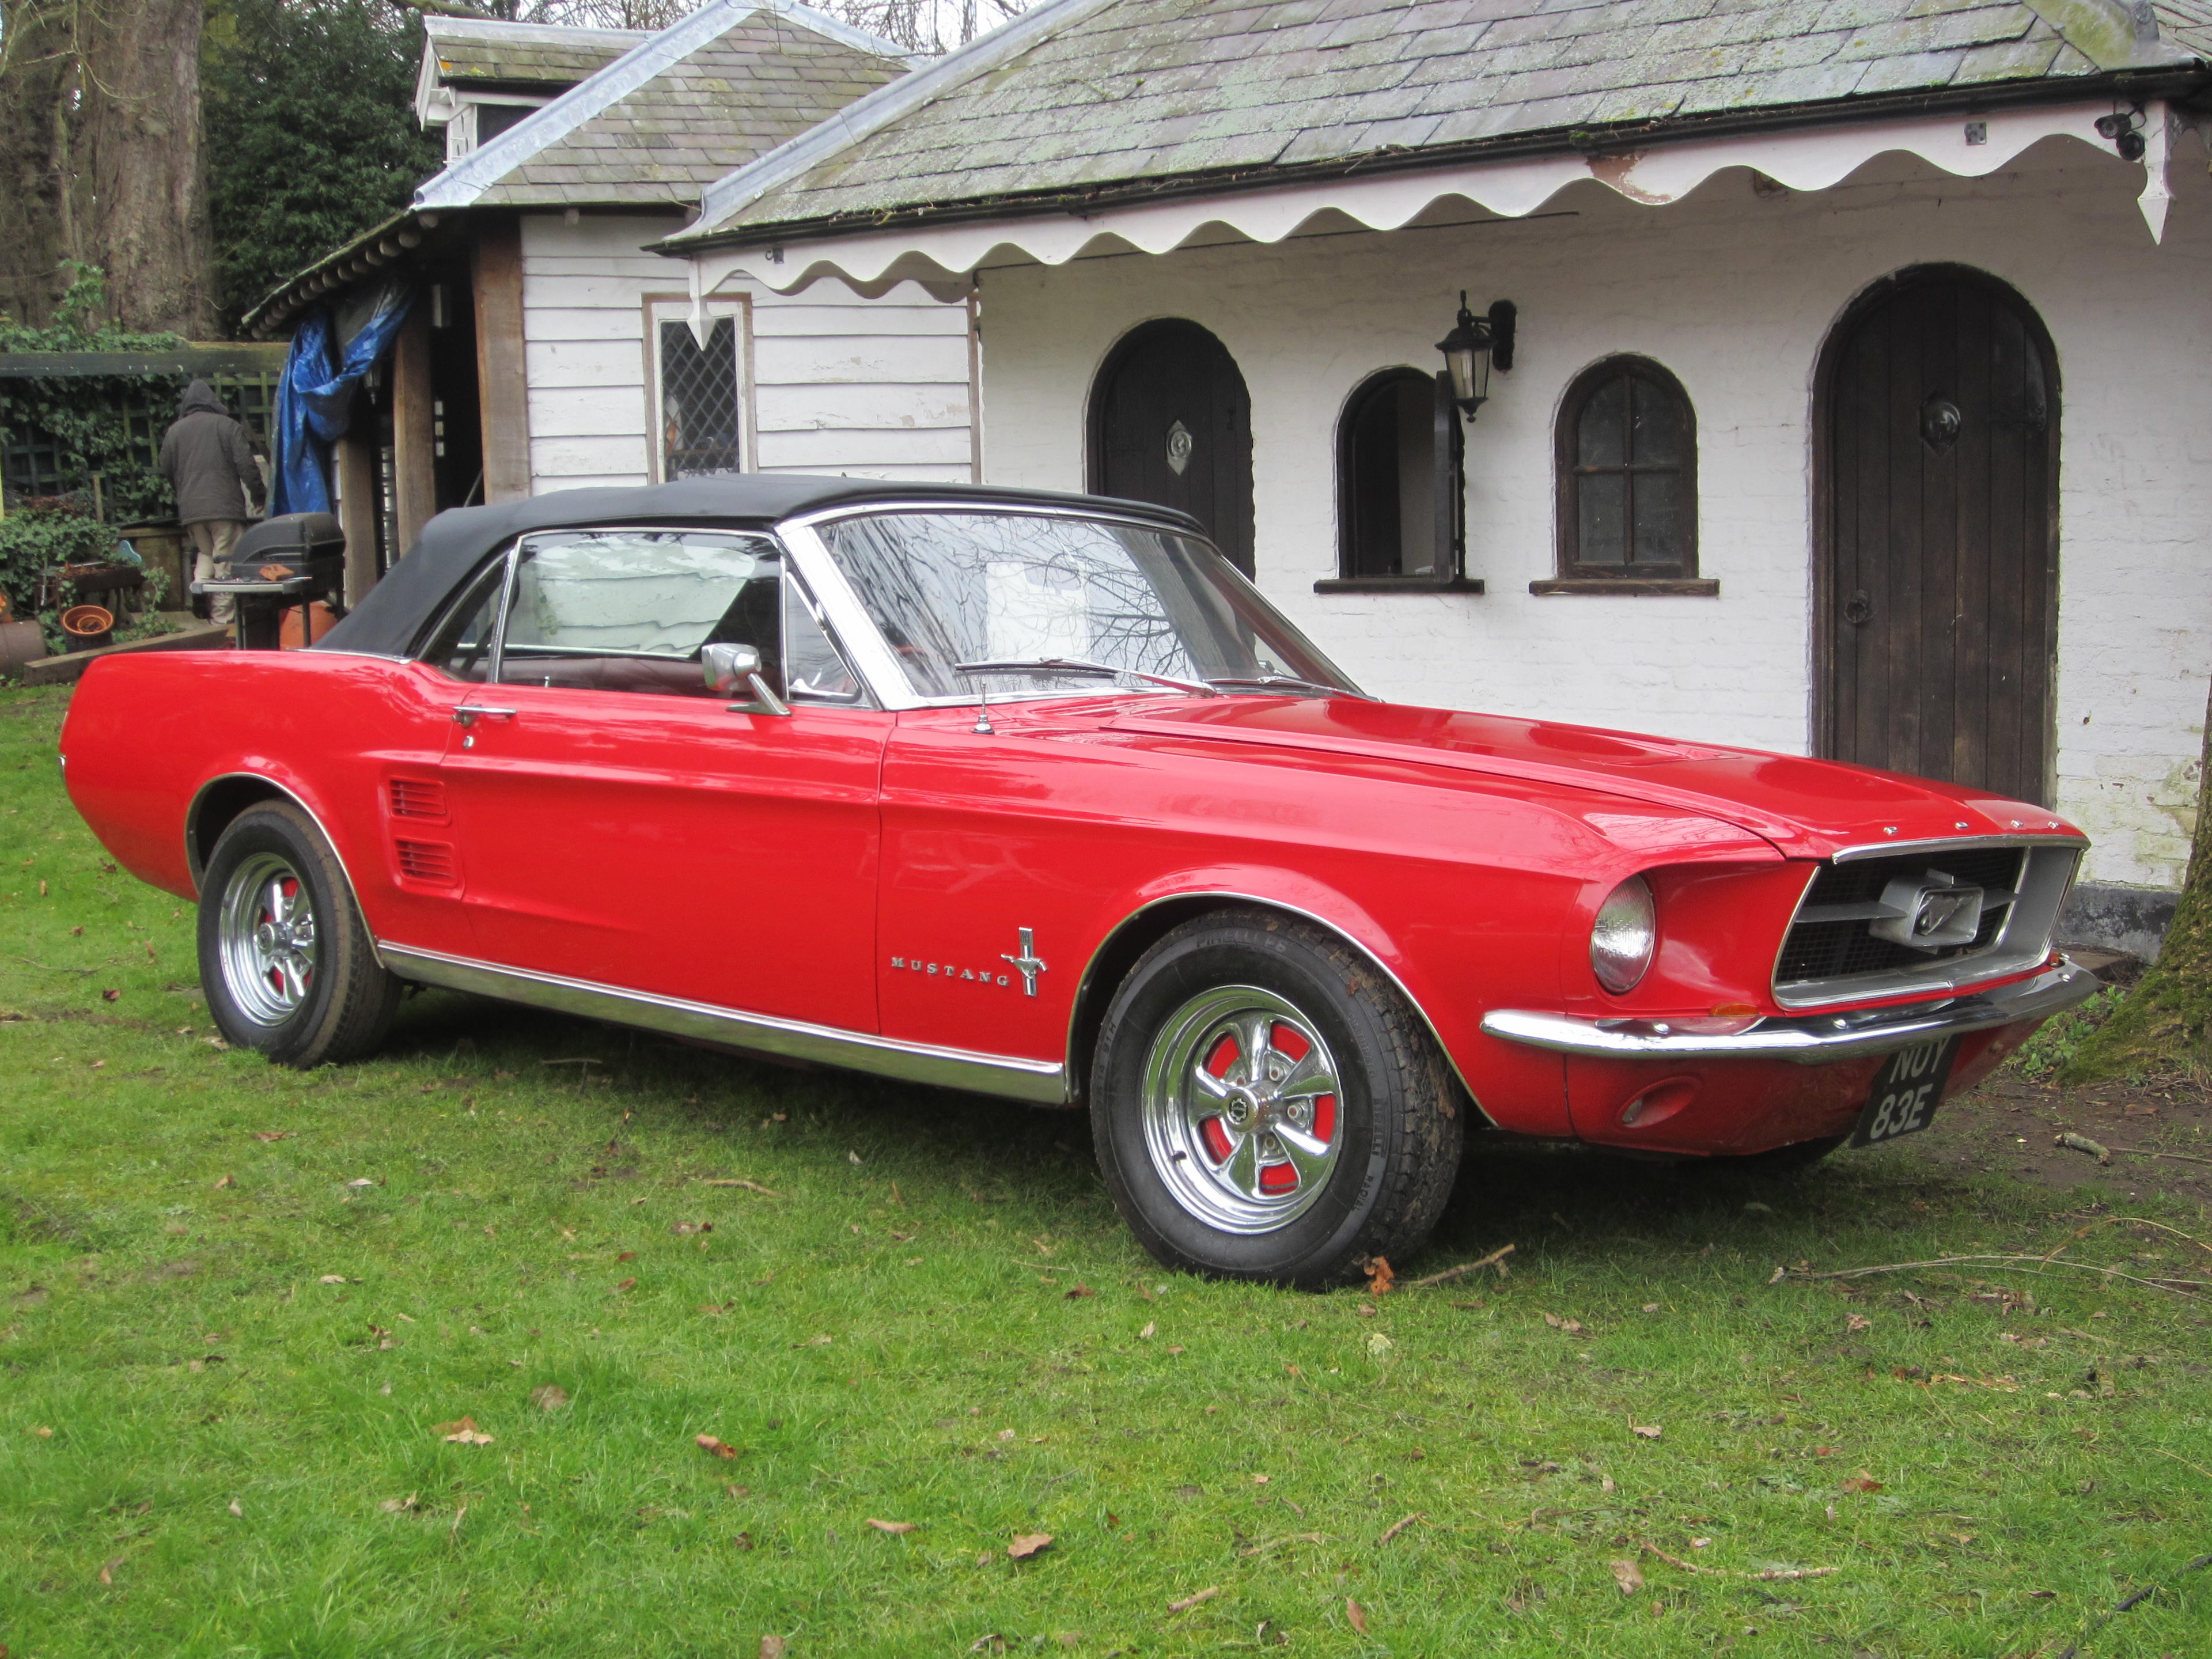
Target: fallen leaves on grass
(236, 1509)
(1379, 1345)
(1027, 1543)
(1571, 1327)
(1627, 1574)
(550, 1397)
(108, 996)
(331, 1279)
(1190, 1601)
(224, 1182)
(1860, 1482)
(626, 1285)
(1356, 1614)
(463, 1432)
(706, 1443)
(273, 1135)
(1145, 1334)
(406, 1505)
(1644, 1430)
(896, 1528)
(1857, 1323)
(815, 1342)
(772, 1646)
(1081, 1291)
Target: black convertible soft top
(458, 541)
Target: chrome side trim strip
(1945, 844)
(194, 868)
(1808, 1042)
(1041, 1082)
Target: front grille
(426, 861)
(1846, 949)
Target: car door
(623, 825)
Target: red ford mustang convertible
(1035, 795)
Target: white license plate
(1906, 1091)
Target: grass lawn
(241, 1310)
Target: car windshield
(1018, 594)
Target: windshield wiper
(1079, 665)
(1286, 683)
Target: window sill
(1398, 585)
(1698, 587)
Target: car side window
(630, 609)
(462, 645)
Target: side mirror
(736, 669)
(730, 667)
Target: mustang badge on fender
(1027, 965)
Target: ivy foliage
(36, 540)
(310, 133)
(88, 417)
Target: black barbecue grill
(293, 559)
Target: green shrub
(34, 539)
(2057, 1042)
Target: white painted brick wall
(1735, 294)
(876, 388)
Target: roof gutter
(385, 245)
(2176, 86)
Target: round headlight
(1625, 935)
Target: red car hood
(1806, 808)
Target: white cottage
(548, 350)
(1853, 404)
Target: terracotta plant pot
(86, 626)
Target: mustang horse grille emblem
(1934, 913)
(1027, 965)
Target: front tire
(1266, 1106)
(285, 958)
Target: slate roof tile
(1131, 88)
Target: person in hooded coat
(209, 462)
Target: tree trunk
(100, 159)
(2166, 1018)
(149, 177)
(38, 84)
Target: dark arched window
(1396, 520)
(1627, 464)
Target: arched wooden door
(1171, 424)
(1936, 612)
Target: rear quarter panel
(146, 734)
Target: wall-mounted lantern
(1474, 347)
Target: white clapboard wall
(833, 382)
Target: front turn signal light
(1625, 936)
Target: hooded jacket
(207, 460)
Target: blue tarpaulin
(315, 398)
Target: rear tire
(285, 958)
(1266, 1106)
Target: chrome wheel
(1240, 1109)
(267, 939)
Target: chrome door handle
(469, 715)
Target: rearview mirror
(735, 669)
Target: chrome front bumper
(1810, 1040)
